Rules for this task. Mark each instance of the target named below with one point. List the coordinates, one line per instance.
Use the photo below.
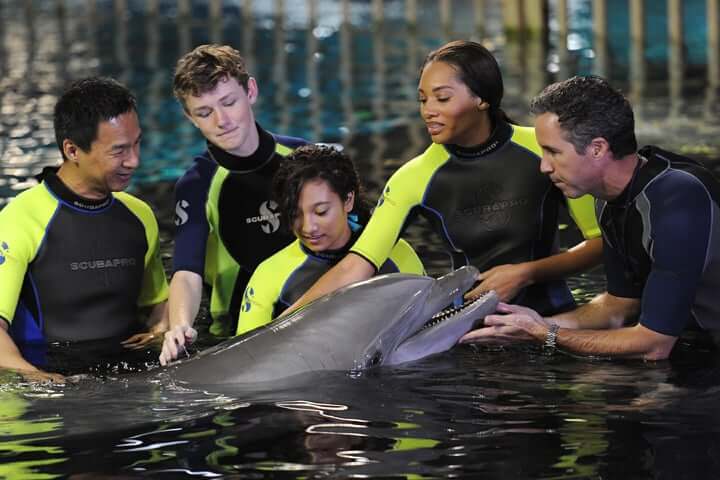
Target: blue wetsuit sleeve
(681, 214)
(290, 142)
(192, 227)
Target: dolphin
(386, 320)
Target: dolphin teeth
(449, 312)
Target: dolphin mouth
(443, 329)
(447, 313)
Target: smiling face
(452, 113)
(224, 116)
(321, 220)
(113, 156)
(573, 173)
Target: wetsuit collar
(501, 134)
(56, 186)
(630, 192)
(333, 256)
(261, 156)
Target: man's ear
(598, 148)
(70, 150)
(252, 90)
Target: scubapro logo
(181, 215)
(4, 249)
(269, 219)
(107, 263)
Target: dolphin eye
(375, 360)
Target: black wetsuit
(491, 205)
(74, 269)
(226, 222)
(662, 243)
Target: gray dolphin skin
(386, 320)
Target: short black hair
(311, 162)
(84, 105)
(588, 107)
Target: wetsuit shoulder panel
(288, 143)
(23, 225)
(266, 286)
(582, 211)
(192, 228)
(404, 191)
(145, 214)
(405, 259)
(525, 137)
(154, 287)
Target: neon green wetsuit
(281, 279)
(490, 204)
(74, 269)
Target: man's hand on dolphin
(506, 280)
(141, 340)
(511, 324)
(174, 342)
(41, 376)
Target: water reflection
(343, 70)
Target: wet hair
(84, 105)
(477, 68)
(317, 162)
(587, 108)
(199, 71)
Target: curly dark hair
(84, 105)
(200, 70)
(311, 162)
(477, 68)
(588, 107)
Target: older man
(660, 220)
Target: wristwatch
(550, 344)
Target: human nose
(545, 165)
(309, 225)
(133, 159)
(221, 117)
(427, 111)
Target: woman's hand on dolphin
(506, 280)
(174, 342)
(511, 324)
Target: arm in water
(596, 328)
(183, 307)
(11, 359)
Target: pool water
(339, 71)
